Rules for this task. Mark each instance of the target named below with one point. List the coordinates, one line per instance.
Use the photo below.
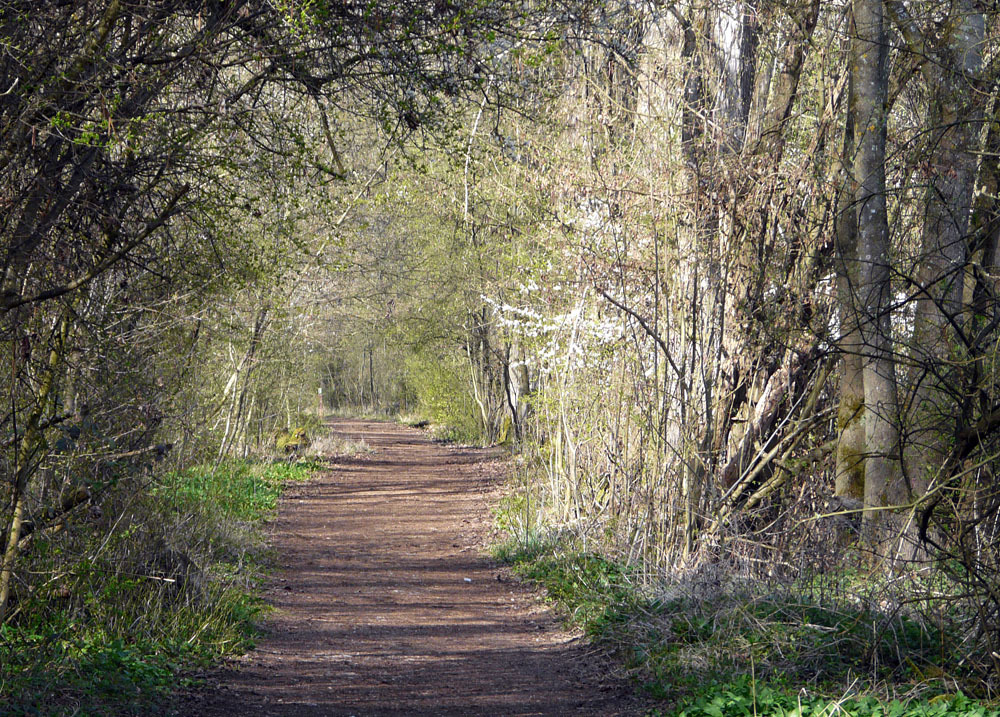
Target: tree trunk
(849, 479)
(884, 484)
(954, 119)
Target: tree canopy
(723, 276)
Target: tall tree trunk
(884, 485)
(954, 119)
(849, 482)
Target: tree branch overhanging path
(724, 278)
(386, 604)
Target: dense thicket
(732, 289)
(725, 274)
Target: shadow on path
(385, 605)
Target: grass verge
(717, 649)
(112, 614)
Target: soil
(386, 605)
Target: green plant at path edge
(743, 698)
(695, 654)
(113, 640)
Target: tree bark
(954, 119)
(849, 481)
(884, 484)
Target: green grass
(236, 489)
(173, 586)
(589, 588)
(727, 652)
(62, 667)
(745, 698)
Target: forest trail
(385, 604)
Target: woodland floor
(386, 605)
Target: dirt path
(385, 605)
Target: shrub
(443, 395)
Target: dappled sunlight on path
(386, 605)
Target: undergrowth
(110, 625)
(718, 648)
